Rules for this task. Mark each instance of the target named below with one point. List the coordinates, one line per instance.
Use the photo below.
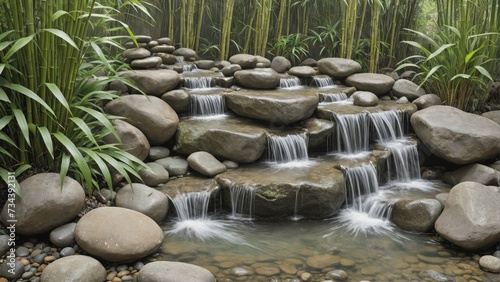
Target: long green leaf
(431, 72)
(58, 14)
(484, 72)
(63, 35)
(5, 120)
(5, 34)
(4, 174)
(22, 123)
(64, 167)
(18, 45)
(8, 139)
(102, 166)
(439, 51)
(115, 164)
(47, 140)
(54, 89)
(83, 167)
(28, 93)
(462, 75)
(3, 96)
(85, 128)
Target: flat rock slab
(283, 106)
(318, 188)
(170, 271)
(379, 84)
(327, 111)
(190, 184)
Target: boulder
(226, 82)
(364, 99)
(187, 53)
(280, 64)
(74, 268)
(408, 89)
(490, 263)
(248, 141)
(403, 100)
(245, 61)
(205, 163)
(221, 64)
(169, 49)
(164, 40)
(408, 75)
(310, 62)
(174, 165)
(178, 99)
(278, 107)
(257, 78)
(205, 64)
(45, 204)
(378, 84)
(191, 184)
(158, 152)
(136, 53)
(474, 172)
(151, 115)
(263, 62)
(302, 71)
(132, 139)
(154, 175)
(471, 217)
(493, 115)
(338, 67)
(318, 130)
(170, 271)
(452, 134)
(143, 38)
(154, 82)
(167, 59)
(144, 199)
(139, 235)
(64, 235)
(146, 63)
(230, 69)
(427, 100)
(416, 215)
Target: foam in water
(290, 82)
(199, 82)
(322, 82)
(207, 105)
(192, 205)
(333, 97)
(352, 132)
(242, 202)
(287, 148)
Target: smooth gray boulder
(154, 175)
(338, 67)
(174, 165)
(277, 107)
(162, 49)
(416, 215)
(317, 130)
(205, 64)
(257, 78)
(170, 271)
(146, 63)
(403, 100)
(205, 163)
(151, 115)
(280, 64)
(309, 62)
(158, 152)
(167, 59)
(64, 235)
(378, 84)
(493, 115)
(45, 204)
(187, 53)
(471, 217)
(474, 172)
(364, 99)
(144, 199)
(143, 38)
(164, 40)
(408, 89)
(136, 53)
(302, 71)
(139, 235)
(263, 61)
(453, 135)
(245, 61)
(178, 99)
(427, 100)
(154, 82)
(490, 263)
(74, 268)
(230, 69)
(221, 64)
(132, 139)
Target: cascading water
(352, 134)
(322, 82)
(290, 82)
(192, 206)
(332, 97)
(242, 202)
(199, 82)
(207, 105)
(287, 148)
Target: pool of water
(282, 250)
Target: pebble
(64, 235)
(49, 259)
(306, 276)
(116, 279)
(436, 276)
(27, 275)
(127, 278)
(337, 274)
(138, 265)
(40, 258)
(68, 251)
(36, 253)
(111, 275)
(121, 268)
(497, 254)
(267, 270)
(5, 270)
(123, 273)
(240, 271)
(490, 263)
(24, 261)
(22, 252)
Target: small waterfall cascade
(296, 216)
(287, 148)
(290, 82)
(199, 82)
(192, 206)
(388, 125)
(352, 133)
(322, 82)
(332, 97)
(179, 59)
(242, 202)
(207, 105)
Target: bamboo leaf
(85, 128)
(484, 72)
(22, 169)
(439, 51)
(64, 167)
(5, 120)
(22, 123)
(3, 96)
(5, 44)
(28, 93)
(5, 34)
(47, 140)
(83, 167)
(54, 89)
(430, 73)
(100, 117)
(6, 138)
(102, 166)
(462, 75)
(18, 45)
(6, 153)
(58, 14)
(418, 45)
(2, 66)
(115, 164)
(63, 35)
(100, 54)
(470, 55)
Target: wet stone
(138, 265)
(68, 251)
(240, 271)
(490, 263)
(431, 259)
(322, 261)
(4, 244)
(40, 258)
(22, 252)
(6, 270)
(337, 274)
(267, 270)
(435, 276)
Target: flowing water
(322, 81)
(199, 82)
(352, 134)
(291, 148)
(332, 97)
(290, 82)
(206, 105)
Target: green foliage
(293, 47)
(50, 100)
(325, 40)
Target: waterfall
(190, 206)
(332, 97)
(207, 105)
(290, 82)
(199, 82)
(296, 216)
(288, 148)
(352, 132)
(179, 59)
(322, 82)
(388, 125)
(242, 202)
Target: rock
(151, 115)
(471, 218)
(309, 62)
(493, 115)
(245, 61)
(146, 63)
(337, 275)
(136, 53)
(45, 204)
(118, 86)
(408, 89)
(167, 59)
(248, 141)
(403, 100)
(143, 38)
(164, 40)
(378, 84)
(67, 251)
(132, 139)
(240, 271)
(63, 235)
(226, 82)
(339, 67)
(416, 215)
(230, 69)
(221, 64)
(187, 53)
(96, 231)
(157, 152)
(177, 99)
(427, 100)
(74, 268)
(170, 271)
(174, 165)
(278, 107)
(302, 71)
(205, 64)
(280, 64)
(322, 261)
(490, 263)
(230, 164)
(435, 276)
(452, 134)
(163, 49)
(155, 175)
(4, 244)
(318, 130)
(205, 163)
(9, 272)
(154, 82)
(143, 199)
(329, 110)
(474, 172)
(191, 184)
(442, 197)
(408, 75)
(257, 78)
(365, 99)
